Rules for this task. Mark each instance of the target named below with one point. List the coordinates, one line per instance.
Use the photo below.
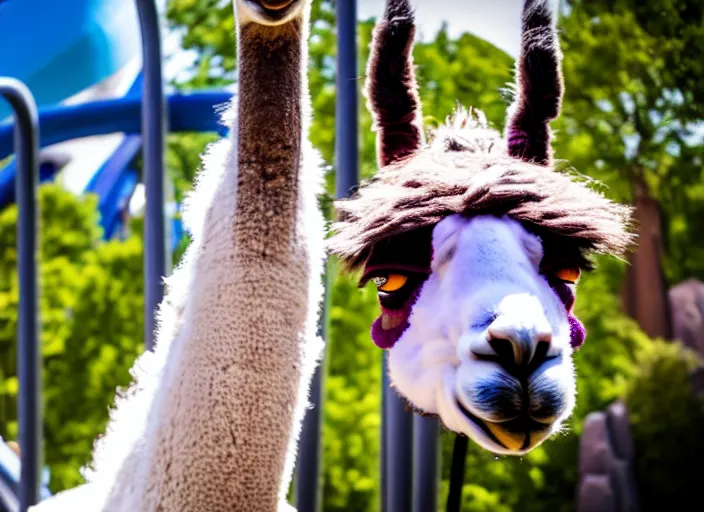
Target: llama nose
(519, 347)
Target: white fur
(481, 266)
(117, 475)
(119, 454)
(118, 478)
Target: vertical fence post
(306, 489)
(28, 347)
(384, 495)
(153, 135)
(459, 455)
(425, 463)
(346, 177)
(397, 423)
(346, 101)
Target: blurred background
(632, 119)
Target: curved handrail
(194, 112)
(153, 135)
(28, 352)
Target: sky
(496, 21)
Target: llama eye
(394, 286)
(569, 275)
(390, 283)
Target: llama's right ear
(391, 88)
(539, 86)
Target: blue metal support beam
(153, 135)
(191, 112)
(346, 177)
(28, 348)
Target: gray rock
(595, 451)
(596, 495)
(620, 430)
(687, 311)
(606, 453)
(624, 485)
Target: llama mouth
(483, 426)
(516, 436)
(272, 10)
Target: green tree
(667, 438)
(91, 316)
(632, 118)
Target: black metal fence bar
(153, 135)
(346, 101)
(397, 424)
(457, 466)
(383, 483)
(306, 488)
(346, 132)
(425, 463)
(28, 348)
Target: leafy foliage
(666, 417)
(633, 110)
(91, 313)
(352, 400)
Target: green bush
(352, 422)
(91, 314)
(666, 418)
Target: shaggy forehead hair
(468, 168)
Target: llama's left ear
(539, 86)
(391, 87)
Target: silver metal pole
(425, 463)
(346, 133)
(398, 450)
(156, 265)
(28, 348)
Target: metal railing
(409, 443)
(153, 134)
(26, 135)
(307, 495)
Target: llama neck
(232, 394)
(270, 126)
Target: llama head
(269, 12)
(476, 244)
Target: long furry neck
(212, 420)
(270, 131)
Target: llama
(212, 419)
(475, 244)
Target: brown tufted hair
(469, 168)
